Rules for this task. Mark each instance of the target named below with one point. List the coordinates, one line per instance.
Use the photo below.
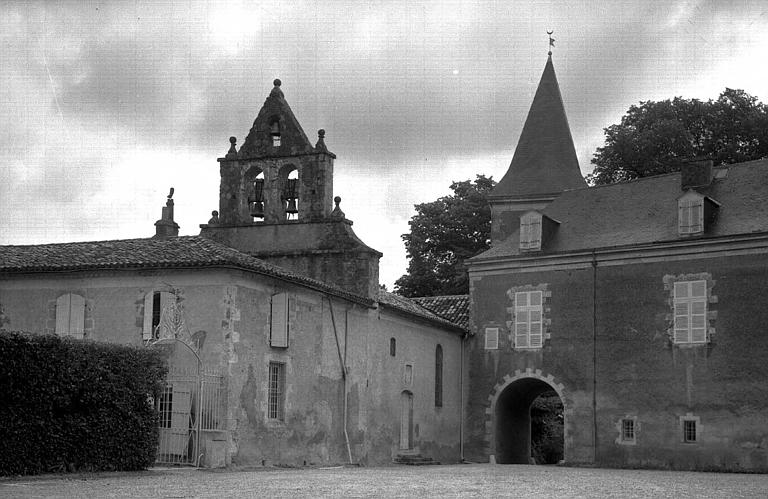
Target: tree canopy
(656, 137)
(443, 234)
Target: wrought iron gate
(190, 404)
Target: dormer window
(691, 213)
(695, 211)
(530, 231)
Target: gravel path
(477, 480)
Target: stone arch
(510, 443)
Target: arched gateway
(508, 419)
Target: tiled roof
(644, 211)
(545, 159)
(172, 253)
(413, 307)
(454, 308)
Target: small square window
(689, 430)
(275, 141)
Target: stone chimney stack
(166, 227)
(696, 172)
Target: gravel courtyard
(477, 480)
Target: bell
(257, 209)
(291, 209)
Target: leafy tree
(443, 234)
(656, 137)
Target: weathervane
(551, 41)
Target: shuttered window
(154, 304)
(70, 315)
(530, 231)
(528, 321)
(690, 299)
(691, 216)
(278, 332)
(491, 338)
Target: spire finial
(551, 41)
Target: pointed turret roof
(545, 158)
(293, 140)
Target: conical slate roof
(293, 140)
(545, 158)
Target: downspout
(461, 398)
(342, 361)
(594, 357)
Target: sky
(105, 105)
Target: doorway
(406, 420)
(513, 426)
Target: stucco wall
(230, 310)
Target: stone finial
(337, 214)
(276, 90)
(214, 218)
(320, 146)
(232, 153)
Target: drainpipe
(343, 362)
(461, 400)
(594, 357)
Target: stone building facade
(639, 304)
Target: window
(408, 374)
(392, 347)
(276, 402)
(70, 315)
(690, 303)
(278, 332)
(528, 323)
(439, 376)
(491, 338)
(628, 430)
(691, 213)
(530, 231)
(158, 306)
(689, 430)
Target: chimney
(166, 227)
(696, 172)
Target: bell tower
(276, 203)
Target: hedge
(75, 405)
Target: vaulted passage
(513, 419)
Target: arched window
(439, 376)
(392, 347)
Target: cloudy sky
(105, 105)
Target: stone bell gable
(276, 203)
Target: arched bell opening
(289, 189)
(513, 421)
(254, 181)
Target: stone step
(414, 460)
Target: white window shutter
(491, 338)
(62, 314)
(147, 331)
(279, 323)
(77, 316)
